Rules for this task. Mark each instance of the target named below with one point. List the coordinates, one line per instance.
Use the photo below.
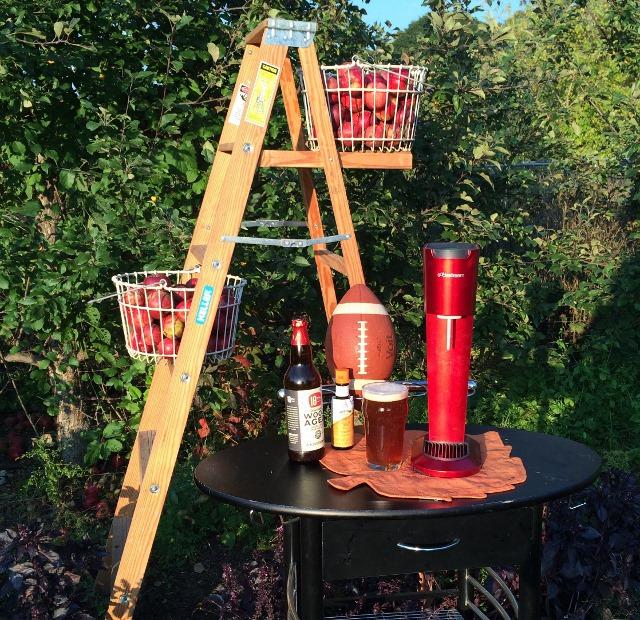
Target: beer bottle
(342, 412)
(303, 398)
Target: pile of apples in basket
(154, 308)
(373, 107)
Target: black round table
(343, 535)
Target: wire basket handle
(160, 285)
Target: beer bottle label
(305, 422)
(342, 418)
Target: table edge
(412, 513)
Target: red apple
(218, 343)
(189, 285)
(156, 279)
(224, 315)
(16, 446)
(397, 79)
(350, 76)
(345, 133)
(182, 308)
(404, 119)
(138, 343)
(117, 461)
(337, 115)
(332, 89)
(392, 135)
(375, 76)
(375, 96)
(157, 301)
(137, 318)
(398, 100)
(133, 297)
(212, 344)
(102, 510)
(168, 347)
(172, 327)
(91, 496)
(151, 335)
(350, 103)
(362, 120)
(387, 113)
(374, 132)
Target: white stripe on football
(359, 308)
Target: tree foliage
(110, 113)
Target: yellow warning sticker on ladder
(262, 94)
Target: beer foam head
(384, 391)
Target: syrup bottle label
(305, 422)
(342, 417)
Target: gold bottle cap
(342, 376)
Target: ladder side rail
(309, 192)
(208, 215)
(152, 414)
(180, 391)
(149, 422)
(331, 162)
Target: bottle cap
(342, 376)
(299, 335)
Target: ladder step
(401, 160)
(282, 31)
(274, 224)
(332, 260)
(285, 243)
(225, 147)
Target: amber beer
(303, 398)
(385, 408)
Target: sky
(402, 12)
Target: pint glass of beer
(385, 408)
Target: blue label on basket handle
(204, 305)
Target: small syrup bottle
(342, 412)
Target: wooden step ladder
(265, 65)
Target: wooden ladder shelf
(265, 65)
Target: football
(360, 337)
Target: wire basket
(154, 306)
(372, 107)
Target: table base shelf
(443, 614)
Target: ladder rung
(274, 224)
(225, 147)
(401, 160)
(332, 260)
(285, 243)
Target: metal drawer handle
(448, 545)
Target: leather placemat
(500, 471)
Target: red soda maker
(450, 280)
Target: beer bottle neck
(301, 355)
(300, 345)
